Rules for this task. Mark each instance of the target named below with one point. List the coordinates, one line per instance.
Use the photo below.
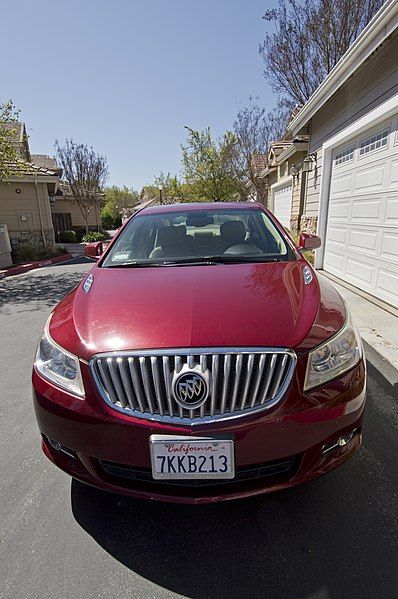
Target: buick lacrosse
(201, 359)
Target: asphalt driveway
(335, 537)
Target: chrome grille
(241, 381)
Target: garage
(282, 194)
(361, 244)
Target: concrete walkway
(378, 325)
(75, 249)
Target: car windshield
(200, 236)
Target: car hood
(234, 305)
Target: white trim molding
(371, 119)
(378, 29)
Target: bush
(108, 221)
(67, 237)
(94, 236)
(26, 253)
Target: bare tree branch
(310, 37)
(85, 173)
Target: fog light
(58, 447)
(54, 444)
(341, 442)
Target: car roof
(199, 206)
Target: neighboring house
(34, 203)
(285, 180)
(25, 198)
(352, 192)
(126, 213)
(67, 216)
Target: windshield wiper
(199, 261)
(223, 259)
(133, 265)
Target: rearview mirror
(309, 242)
(94, 250)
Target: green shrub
(26, 253)
(67, 237)
(94, 236)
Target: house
(285, 180)
(25, 198)
(67, 216)
(351, 198)
(34, 204)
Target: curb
(18, 270)
(381, 370)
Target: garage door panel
(283, 204)
(361, 243)
(394, 173)
(335, 259)
(387, 282)
(366, 208)
(389, 246)
(337, 235)
(339, 210)
(392, 210)
(359, 270)
(370, 178)
(341, 184)
(363, 240)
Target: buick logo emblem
(190, 389)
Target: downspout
(40, 214)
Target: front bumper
(89, 436)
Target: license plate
(177, 457)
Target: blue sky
(126, 76)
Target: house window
(375, 142)
(344, 156)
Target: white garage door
(362, 228)
(283, 204)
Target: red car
(200, 360)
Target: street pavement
(333, 538)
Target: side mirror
(309, 242)
(94, 250)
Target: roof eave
(267, 171)
(378, 29)
(291, 150)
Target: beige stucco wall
(61, 206)
(26, 213)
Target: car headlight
(336, 356)
(58, 365)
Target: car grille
(285, 467)
(239, 381)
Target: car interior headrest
(233, 230)
(168, 236)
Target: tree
(207, 165)
(254, 129)
(85, 173)
(310, 37)
(117, 201)
(8, 153)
